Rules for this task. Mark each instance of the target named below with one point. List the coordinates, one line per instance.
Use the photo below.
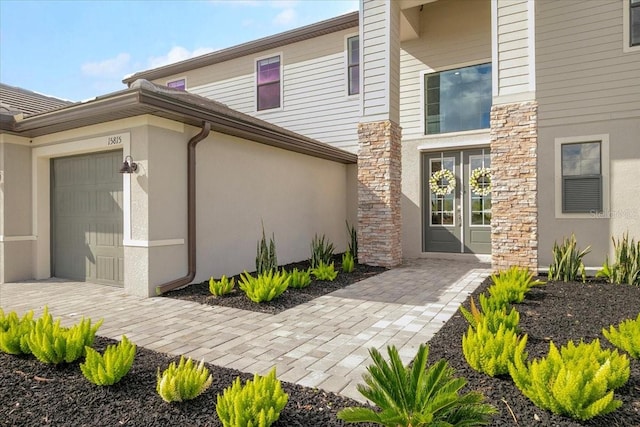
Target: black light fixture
(129, 167)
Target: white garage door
(87, 218)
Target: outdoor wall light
(129, 167)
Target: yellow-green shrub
(348, 264)
(490, 352)
(626, 337)
(184, 381)
(14, 332)
(256, 403)
(110, 367)
(267, 286)
(222, 286)
(51, 343)
(299, 278)
(492, 316)
(510, 286)
(324, 272)
(577, 381)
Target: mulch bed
(34, 394)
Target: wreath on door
(442, 182)
(480, 181)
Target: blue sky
(77, 50)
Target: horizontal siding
(374, 57)
(583, 75)
(513, 47)
(453, 34)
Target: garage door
(87, 218)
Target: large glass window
(634, 16)
(581, 178)
(268, 83)
(353, 64)
(458, 100)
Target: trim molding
(16, 238)
(152, 243)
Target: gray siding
(513, 47)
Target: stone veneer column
(514, 221)
(379, 189)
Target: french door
(457, 201)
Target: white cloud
(107, 68)
(286, 17)
(176, 54)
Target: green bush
(577, 381)
(256, 403)
(510, 286)
(321, 251)
(266, 258)
(299, 278)
(51, 343)
(348, 263)
(626, 337)
(493, 315)
(416, 395)
(567, 261)
(324, 272)
(184, 381)
(222, 286)
(626, 265)
(110, 367)
(353, 241)
(267, 286)
(490, 352)
(14, 332)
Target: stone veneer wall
(514, 222)
(379, 190)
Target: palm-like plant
(414, 396)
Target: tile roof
(15, 99)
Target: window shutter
(581, 194)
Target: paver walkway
(323, 343)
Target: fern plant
(491, 352)
(266, 257)
(416, 395)
(267, 286)
(14, 332)
(492, 314)
(51, 343)
(348, 264)
(321, 251)
(353, 241)
(510, 286)
(184, 381)
(567, 262)
(577, 381)
(221, 287)
(256, 403)
(626, 264)
(110, 367)
(324, 272)
(299, 278)
(626, 337)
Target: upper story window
(457, 100)
(268, 82)
(353, 64)
(581, 177)
(634, 16)
(180, 84)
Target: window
(353, 65)
(634, 22)
(268, 83)
(458, 100)
(180, 84)
(581, 177)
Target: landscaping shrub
(222, 286)
(577, 381)
(491, 352)
(510, 286)
(184, 381)
(567, 261)
(299, 278)
(266, 258)
(416, 395)
(626, 337)
(353, 241)
(348, 263)
(110, 367)
(267, 286)
(626, 264)
(256, 403)
(492, 314)
(51, 343)
(321, 251)
(14, 332)
(324, 272)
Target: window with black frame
(634, 17)
(581, 177)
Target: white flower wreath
(480, 181)
(442, 182)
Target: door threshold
(484, 258)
